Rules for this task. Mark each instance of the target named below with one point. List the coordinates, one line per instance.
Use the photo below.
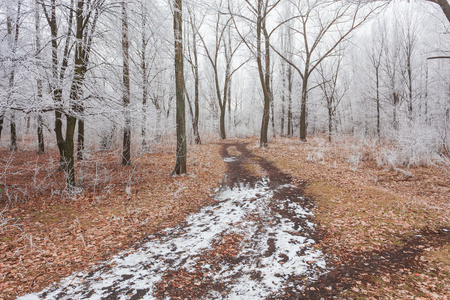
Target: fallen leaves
(50, 236)
(360, 217)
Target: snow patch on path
(274, 249)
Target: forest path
(255, 242)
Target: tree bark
(144, 70)
(13, 38)
(377, 78)
(39, 83)
(80, 140)
(303, 108)
(264, 71)
(40, 133)
(126, 150)
(13, 146)
(180, 163)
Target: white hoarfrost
(243, 210)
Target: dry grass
(367, 209)
(48, 235)
(361, 208)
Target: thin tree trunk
(377, 78)
(13, 37)
(144, 69)
(290, 127)
(198, 140)
(264, 73)
(283, 96)
(330, 123)
(303, 108)
(126, 152)
(395, 97)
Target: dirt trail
(257, 241)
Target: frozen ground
(274, 248)
(254, 242)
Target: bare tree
(375, 57)
(222, 93)
(333, 88)
(286, 79)
(85, 14)
(260, 11)
(13, 20)
(322, 27)
(192, 58)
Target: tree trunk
(377, 78)
(13, 38)
(13, 146)
(264, 72)
(283, 96)
(272, 112)
(395, 100)
(330, 123)
(180, 163)
(40, 133)
(126, 151)
(2, 118)
(69, 163)
(144, 70)
(80, 140)
(303, 108)
(198, 141)
(223, 134)
(290, 129)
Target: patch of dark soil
(236, 172)
(354, 268)
(361, 268)
(181, 284)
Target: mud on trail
(256, 241)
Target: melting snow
(229, 159)
(240, 210)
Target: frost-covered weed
(318, 152)
(418, 145)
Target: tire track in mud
(341, 275)
(254, 241)
(257, 241)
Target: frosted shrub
(418, 145)
(318, 152)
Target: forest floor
(383, 233)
